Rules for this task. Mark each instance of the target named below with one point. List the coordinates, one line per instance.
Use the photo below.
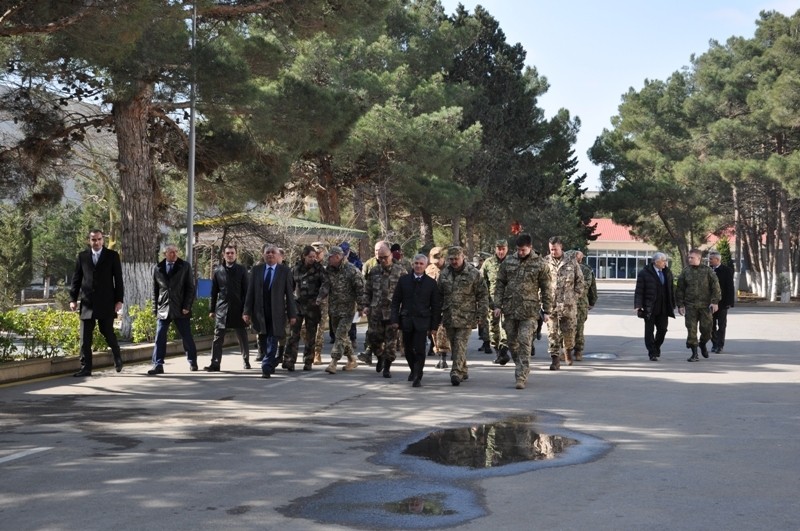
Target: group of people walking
(440, 296)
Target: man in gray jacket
(173, 296)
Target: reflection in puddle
(490, 445)
(432, 505)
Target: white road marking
(26, 453)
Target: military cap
(336, 250)
(483, 255)
(436, 253)
(318, 245)
(455, 251)
(501, 243)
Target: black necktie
(268, 279)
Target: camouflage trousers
(322, 326)
(458, 338)
(310, 318)
(342, 346)
(441, 342)
(520, 334)
(694, 316)
(561, 331)
(580, 341)
(382, 339)
(483, 327)
(497, 332)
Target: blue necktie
(661, 276)
(268, 278)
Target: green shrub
(143, 322)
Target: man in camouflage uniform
(566, 282)
(462, 291)
(373, 261)
(319, 340)
(497, 333)
(440, 343)
(585, 303)
(522, 290)
(697, 296)
(308, 276)
(344, 288)
(380, 284)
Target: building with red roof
(616, 254)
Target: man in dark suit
(654, 300)
(173, 296)
(269, 304)
(97, 285)
(228, 293)
(720, 317)
(417, 311)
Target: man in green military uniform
(308, 275)
(464, 297)
(566, 282)
(344, 288)
(585, 303)
(522, 291)
(697, 297)
(497, 333)
(380, 284)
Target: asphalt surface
(660, 445)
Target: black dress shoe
(81, 373)
(265, 374)
(386, 373)
(307, 366)
(653, 358)
(416, 383)
(247, 365)
(118, 364)
(193, 366)
(214, 367)
(411, 377)
(157, 369)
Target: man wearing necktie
(97, 284)
(173, 297)
(270, 305)
(654, 301)
(417, 310)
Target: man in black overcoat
(97, 286)
(269, 305)
(228, 293)
(728, 290)
(417, 311)
(654, 299)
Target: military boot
(694, 354)
(365, 358)
(578, 355)
(317, 359)
(520, 384)
(331, 369)
(386, 366)
(351, 363)
(703, 350)
(503, 358)
(555, 364)
(487, 347)
(561, 356)
(568, 356)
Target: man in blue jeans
(173, 296)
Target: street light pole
(192, 92)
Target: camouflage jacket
(344, 288)
(566, 282)
(589, 298)
(464, 296)
(379, 288)
(489, 271)
(698, 286)
(307, 283)
(520, 283)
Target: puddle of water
(490, 445)
(432, 505)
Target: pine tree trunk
(139, 193)
(469, 229)
(456, 230)
(360, 217)
(425, 228)
(327, 193)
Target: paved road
(667, 445)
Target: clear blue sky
(593, 51)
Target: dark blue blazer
(416, 306)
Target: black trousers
(106, 327)
(655, 330)
(219, 341)
(718, 326)
(414, 349)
